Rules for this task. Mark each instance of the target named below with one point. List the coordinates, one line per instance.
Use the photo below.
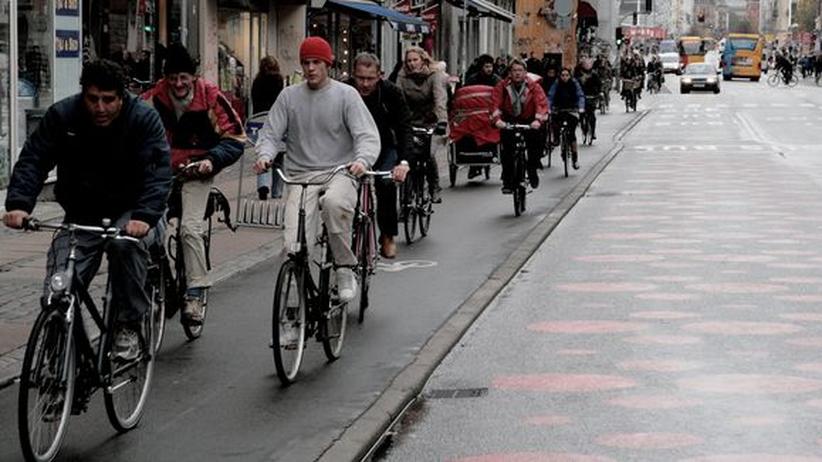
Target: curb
(236, 265)
(360, 440)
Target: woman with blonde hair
(424, 90)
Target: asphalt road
(219, 399)
(673, 315)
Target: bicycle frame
(69, 300)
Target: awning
(485, 8)
(398, 20)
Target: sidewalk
(23, 263)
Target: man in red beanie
(204, 132)
(326, 124)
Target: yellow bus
(742, 56)
(691, 50)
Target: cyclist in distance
(327, 125)
(784, 66)
(520, 100)
(591, 84)
(567, 95)
(427, 99)
(387, 106)
(202, 128)
(112, 162)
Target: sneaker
(576, 165)
(126, 344)
(474, 172)
(435, 196)
(346, 284)
(262, 192)
(289, 336)
(194, 310)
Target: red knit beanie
(316, 48)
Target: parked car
(699, 76)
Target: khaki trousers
(338, 203)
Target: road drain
(450, 393)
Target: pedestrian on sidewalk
(206, 136)
(264, 91)
(387, 106)
(326, 124)
(112, 162)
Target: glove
(440, 128)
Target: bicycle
(629, 94)
(174, 287)
(63, 366)
(588, 121)
(565, 137)
(302, 307)
(605, 101)
(519, 181)
(416, 206)
(364, 242)
(781, 77)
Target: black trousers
(535, 142)
(127, 267)
(385, 191)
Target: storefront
(242, 34)
(353, 27)
(43, 44)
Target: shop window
(35, 39)
(125, 32)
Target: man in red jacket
(206, 135)
(520, 100)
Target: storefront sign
(67, 43)
(67, 7)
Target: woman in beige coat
(425, 93)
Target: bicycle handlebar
(517, 127)
(111, 232)
(328, 177)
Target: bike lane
(218, 397)
(672, 315)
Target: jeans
(386, 192)
(271, 179)
(127, 268)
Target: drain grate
(449, 393)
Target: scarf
(517, 97)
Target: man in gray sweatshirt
(326, 124)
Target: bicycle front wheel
(288, 322)
(425, 208)
(157, 296)
(127, 391)
(409, 210)
(773, 79)
(46, 387)
(366, 246)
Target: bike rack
(252, 212)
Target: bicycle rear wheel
(46, 387)
(794, 81)
(518, 190)
(566, 153)
(126, 394)
(288, 322)
(409, 210)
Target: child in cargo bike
(474, 139)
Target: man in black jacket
(387, 106)
(112, 162)
(485, 73)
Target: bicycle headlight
(686, 80)
(296, 247)
(58, 282)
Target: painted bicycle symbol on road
(398, 266)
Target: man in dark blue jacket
(112, 162)
(387, 105)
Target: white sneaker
(346, 284)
